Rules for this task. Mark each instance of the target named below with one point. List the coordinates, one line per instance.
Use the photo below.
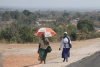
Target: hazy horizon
(51, 3)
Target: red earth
(21, 61)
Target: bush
(52, 39)
(95, 35)
(82, 37)
(7, 33)
(19, 40)
(36, 39)
(84, 30)
(26, 34)
(88, 36)
(13, 40)
(86, 23)
(56, 29)
(73, 35)
(71, 27)
(1, 37)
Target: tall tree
(65, 14)
(26, 12)
(86, 23)
(14, 14)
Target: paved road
(91, 61)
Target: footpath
(76, 54)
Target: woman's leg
(44, 62)
(40, 58)
(45, 59)
(64, 60)
(68, 55)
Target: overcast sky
(51, 3)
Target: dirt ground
(21, 55)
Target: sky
(51, 3)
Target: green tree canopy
(56, 29)
(26, 34)
(7, 33)
(71, 27)
(73, 35)
(14, 14)
(53, 13)
(26, 12)
(65, 14)
(78, 14)
(85, 23)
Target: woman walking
(44, 48)
(66, 43)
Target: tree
(53, 13)
(78, 14)
(32, 18)
(71, 27)
(99, 18)
(35, 29)
(93, 18)
(14, 14)
(6, 16)
(61, 19)
(26, 12)
(65, 14)
(56, 29)
(86, 23)
(1, 13)
(73, 35)
(26, 34)
(85, 30)
(7, 33)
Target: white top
(64, 41)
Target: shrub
(82, 37)
(84, 30)
(71, 27)
(95, 35)
(73, 35)
(19, 40)
(13, 40)
(86, 23)
(36, 39)
(52, 39)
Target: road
(76, 55)
(91, 61)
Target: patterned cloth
(66, 53)
(43, 45)
(42, 53)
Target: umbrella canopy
(48, 32)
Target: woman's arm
(61, 43)
(39, 45)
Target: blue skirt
(66, 53)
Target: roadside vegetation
(19, 27)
